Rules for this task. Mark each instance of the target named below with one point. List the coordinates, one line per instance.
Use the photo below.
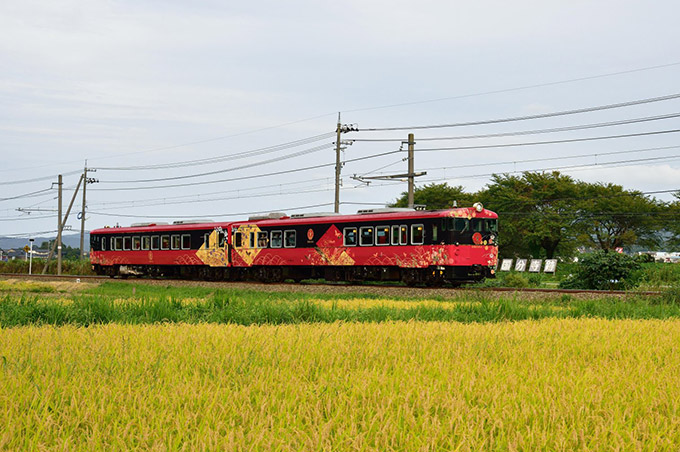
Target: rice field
(554, 384)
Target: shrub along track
(384, 290)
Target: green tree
(612, 217)
(535, 212)
(437, 196)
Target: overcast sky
(135, 83)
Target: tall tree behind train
(437, 196)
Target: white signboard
(506, 265)
(520, 265)
(550, 265)
(535, 265)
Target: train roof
(279, 218)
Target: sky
(154, 95)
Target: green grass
(115, 303)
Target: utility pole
(342, 128)
(82, 216)
(337, 166)
(411, 174)
(60, 225)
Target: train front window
(492, 225)
(460, 225)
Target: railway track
(388, 289)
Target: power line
(527, 132)
(536, 143)
(27, 195)
(211, 160)
(227, 170)
(38, 179)
(525, 118)
(519, 88)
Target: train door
(214, 251)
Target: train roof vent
(141, 225)
(196, 221)
(268, 216)
(385, 210)
(314, 214)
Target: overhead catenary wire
(527, 132)
(527, 117)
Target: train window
(395, 235)
(251, 240)
(165, 242)
(448, 224)
(276, 239)
(146, 241)
(103, 243)
(349, 237)
(174, 241)
(221, 239)
(136, 243)
(382, 235)
(417, 234)
(366, 236)
(492, 225)
(127, 241)
(206, 240)
(461, 225)
(155, 242)
(186, 242)
(434, 232)
(477, 225)
(262, 239)
(403, 235)
(118, 243)
(289, 239)
(238, 239)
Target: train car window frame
(103, 247)
(155, 242)
(262, 239)
(252, 242)
(238, 239)
(146, 242)
(136, 243)
(349, 237)
(185, 241)
(434, 233)
(403, 234)
(118, 243)
(206, 240)
(417, 227)
(394, 233)
(221, 238)
(286, 235)
(175, 242)
(165, 242)
(366, 235)
(276, 239)
(386, 230)
(127, 243)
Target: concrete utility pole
(57, 243)
(60, 225)
(337, 166)
(411, 174)
(82, 215)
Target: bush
(516, 280)
(604, 270)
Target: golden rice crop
(549, 385)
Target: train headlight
(478, 206)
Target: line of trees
(551, 214)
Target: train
(415, 246)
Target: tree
(535, 212)
(612, 217)
(436, 196)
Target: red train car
(452, 245)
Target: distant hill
(72, 240)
